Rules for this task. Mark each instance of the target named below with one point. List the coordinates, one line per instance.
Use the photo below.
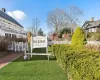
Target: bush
(93, 36)
(78, 63)
(78, 37)
(93, 47)
(20, 40)
(3, 45)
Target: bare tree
(57, 19)
(74, 14)
(35, 26)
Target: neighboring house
(92, 26)
(54, 36)
(9, 27)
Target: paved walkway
(7, 59)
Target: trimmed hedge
(78, 63)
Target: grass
(38, 68)
(42, 50)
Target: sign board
(39, 42)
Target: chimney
(92, 19)
(3, 10)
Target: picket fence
(21, 46)
(18, 46)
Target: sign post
(31, 45)
(39, 42)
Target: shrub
(78, 37)
(93, 47)
(93, 36)
(78, 63)
(3, 45)
(89, 34)
(20, 40)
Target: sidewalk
(6, 60)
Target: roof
(4, 15)
(91, 24)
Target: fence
(21, 46)
(58, 42)
(68, 42)
(93, 42)
(18, 46)
(61, 42)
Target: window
(89, 30)
(7, 35)
(93, 29)
(8, 23)
(13, 36)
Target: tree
(74, 14)
(57, 19)
(64, 30)
(35, 26)
(78, 37)
(40, 32)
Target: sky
(25, 10)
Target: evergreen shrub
(78, 38)
(78, 63)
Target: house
(92, 26)
(54, 36)
(9, 27)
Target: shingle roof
(4, 15)
(91, 24)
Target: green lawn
(38, 68)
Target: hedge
(78, 63)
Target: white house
(9, 27)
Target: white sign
(39, 42)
